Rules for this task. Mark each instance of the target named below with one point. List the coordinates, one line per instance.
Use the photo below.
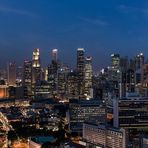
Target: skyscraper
(115, 61)
(11, 73)
(80, 70)
(145, 79)
(36, 66)
(19, 73)
(62, 80)
(88, 77)
(53, 73)
(55, 55)
(139, 61)
(115, 73)
(130, 80)
(27, 78)
(72, 85)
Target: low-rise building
(103, 136)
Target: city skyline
(70, 65)
(44, 64)
(112, 27)
(73, 73)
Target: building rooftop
(85, 102)
(43, 139)
(103, 126)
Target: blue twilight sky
(100, 26)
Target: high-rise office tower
(88, 77)
(11, 73)
(115, 73)
(55, 55)
(130, 80)
(62, 80)
(72, 85)
(19, 73)
(36, 58)
(139, 61)
(115, 61)
(115, 67)
(36, 66)
(124, 64)
(53, 73)
(44, 73)
(145, 79)
(132, 64)
(3, 74)
(80, 70)
(145, 75)
(27, 78)
(80, 60)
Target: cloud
(98, 22)
(5, 9)
(130, 9)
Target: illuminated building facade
(145, 79)
(4, 91)
(19, 73)
(88, 77)
(52, 77)
(11, 73)
(36, 66)
(62, 80)
(115, 61)
(42, 89)
(27, 78)
(139, 61)
(83, 110)
(72, 85)
(80, 70)
(46, 74)
(55, 55)
(130, 80)
(53, 73)
(104, 136)
(131, 114)
(115, 71)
